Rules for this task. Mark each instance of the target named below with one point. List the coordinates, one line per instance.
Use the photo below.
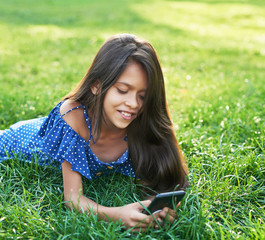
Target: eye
(141, 97)
(121, 91)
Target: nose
(132, 101)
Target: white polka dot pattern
(50, 139)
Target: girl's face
(124, 99)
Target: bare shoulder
(75, 118)
(68, 105)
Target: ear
(95, 89)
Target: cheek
(112, 99)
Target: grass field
(213, 56)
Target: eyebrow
(129, 85)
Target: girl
(116, 120)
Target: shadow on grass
(103, 15)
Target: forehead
(134, 76)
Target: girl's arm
(130, 214)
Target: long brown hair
(156, 157)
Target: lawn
(213, 56)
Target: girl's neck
(110, 145)
(107, 133)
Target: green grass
(212, 53)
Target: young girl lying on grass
(116, 120)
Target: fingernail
(159, 220)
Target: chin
(122, 126)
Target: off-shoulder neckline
(88, 121)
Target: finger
(156, 213)
(156, 218)
(141, 225)
(169, 211)
(144, 221)
(167, 214)
(160, 220)
(170, 218)
(172, 213)
(163, 213)
(145, 203)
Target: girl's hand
(132, 217)
(166, 214)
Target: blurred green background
(208, 49)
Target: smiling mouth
(127, 115)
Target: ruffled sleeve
(62, 143)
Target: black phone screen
(168, 199)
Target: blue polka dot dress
(50, 139)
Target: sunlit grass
(212, 53)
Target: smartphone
(168, 199)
